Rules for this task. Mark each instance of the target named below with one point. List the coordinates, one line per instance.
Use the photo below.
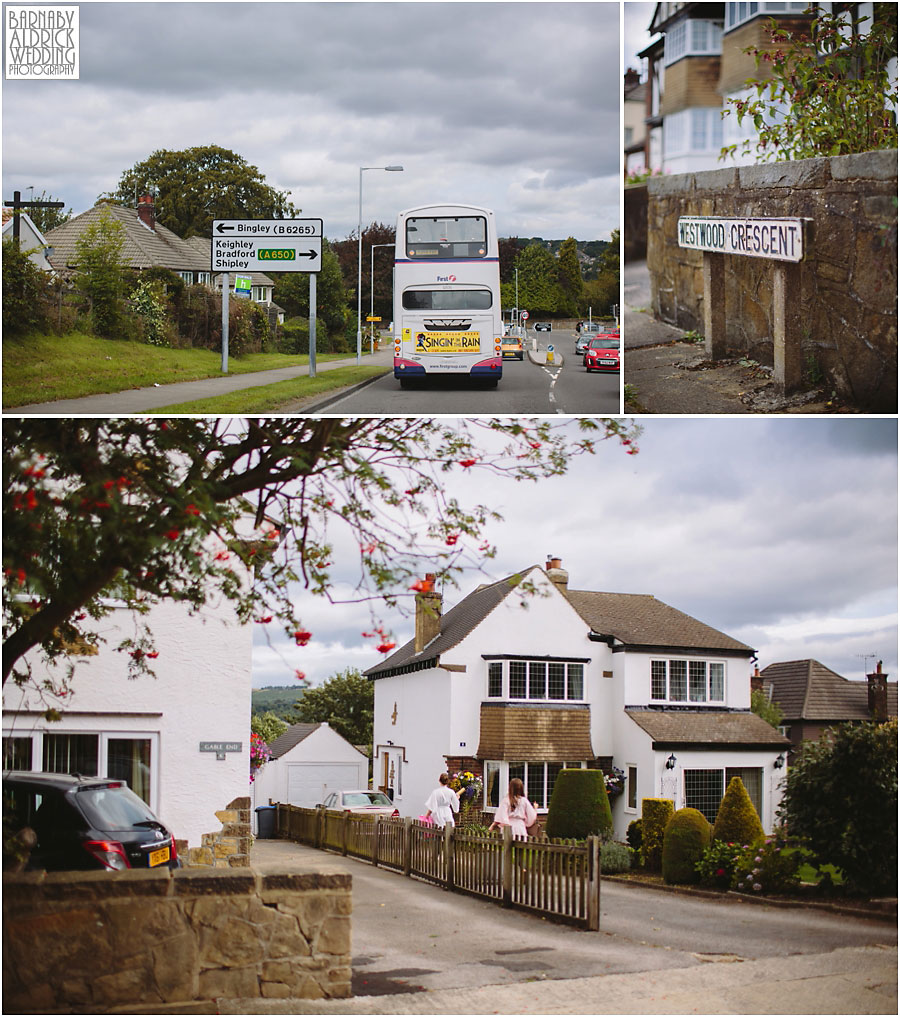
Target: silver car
(588, 331)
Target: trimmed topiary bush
(633, 834)
(687, 836)
(579, 806)
(655, 813)
(736, 819)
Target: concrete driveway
(420, 949)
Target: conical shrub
(579, 806)
(686, 837)
(736, 820)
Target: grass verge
(269, 398)
(43, 368)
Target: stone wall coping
(672, 184)
(881, 165)
(163, 882)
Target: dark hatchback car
(84, 823)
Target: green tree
(539, 289)
(345, 701)
(840, 796)
(570, 281)
(135, 509)
(26, 292)
(348, 256)
(194, 186)
(292, 293)
(579, 806)
(828, 92)
(602, 293)
(763, 707)
(268, 726)
(100, 272)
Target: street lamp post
(372, 296)
(362, 169)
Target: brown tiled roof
(456, 624)
(686, 728)
(143, 247)
(808, 690)
(293, 736)
(554, 734)
(639, 619)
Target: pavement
(668, 374)
(156, 397)
(847, 980)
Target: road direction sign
(276, 245)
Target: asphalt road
(410, 936)
(560, 387)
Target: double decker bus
(447, 314)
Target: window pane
(495, 679)
(128, 759)
(657, 679)
(71, 754)
(632, 787)
(576, 681)
(698, 681)
(492, 785)
(16, 753)
(717, 682)
(703, 790)
(552, 773)
(534, 789)
(678, 680)
(517, 679)
(447, 300)
(515, 770)
(456, 237)
(556, 681)
(537, 680)
(752, 780)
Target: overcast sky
(780, 532)
(514, 106)
(636, 18)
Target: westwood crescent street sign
(778, 239)
(277, 245)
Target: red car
(602, 353)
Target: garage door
(309, 783)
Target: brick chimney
(428, 613)
(756, 681)
(147, 211)
(878, 705)
(556, 573)
(632, 78)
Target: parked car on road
(602, 354)
(543, 326)
(374, 803)
(83, 823)
(588, 331)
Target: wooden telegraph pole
(17, 205)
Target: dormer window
(548, 680)
(692, 37)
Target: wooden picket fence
(554, 879)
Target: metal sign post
(312, 324)
(225, 288)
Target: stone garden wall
(94, 941)
(848, 291)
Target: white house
(508, 685)
(181, 740)
(308, 762)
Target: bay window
(536, 680)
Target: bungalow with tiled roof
(813, 698)
(148, 244)
(508, 685)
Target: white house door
(308, 784)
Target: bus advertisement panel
(447, 316)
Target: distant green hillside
(280, 699)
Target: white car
(375, 803)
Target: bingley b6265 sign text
(776, 239)
(279, 245)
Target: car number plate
(159, 857)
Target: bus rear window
(447, 237)
(446, 300)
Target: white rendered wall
(201, 694)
